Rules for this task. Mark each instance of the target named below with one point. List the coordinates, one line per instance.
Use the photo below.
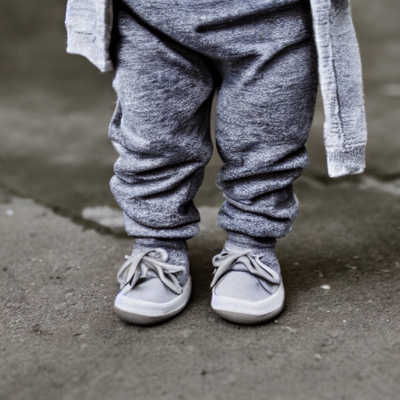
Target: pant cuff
(244, 241)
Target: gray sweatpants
(170, 56)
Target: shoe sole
(145, 313)
(246, 312)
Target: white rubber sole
(146, 313)
(249, 312)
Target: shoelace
(224, 261)
(139, 263)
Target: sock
(176, 249)
(260, 246)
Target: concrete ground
(62, 242)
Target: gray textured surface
(59, 338)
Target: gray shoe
(245, 290)
(155, 283)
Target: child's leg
(264, 112)
(160, 129)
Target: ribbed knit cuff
(348, 162)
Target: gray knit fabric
(345, 130)
(89, 27)
(169, 61)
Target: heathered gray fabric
(169, 60)
(89, 26)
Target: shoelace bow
(224, 261)
(139, 263)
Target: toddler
(264, 57)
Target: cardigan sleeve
(345, 130)
(89, 26)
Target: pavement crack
(7, 194)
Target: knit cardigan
(89, 25)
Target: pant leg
(160, 129)
(264, 113)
